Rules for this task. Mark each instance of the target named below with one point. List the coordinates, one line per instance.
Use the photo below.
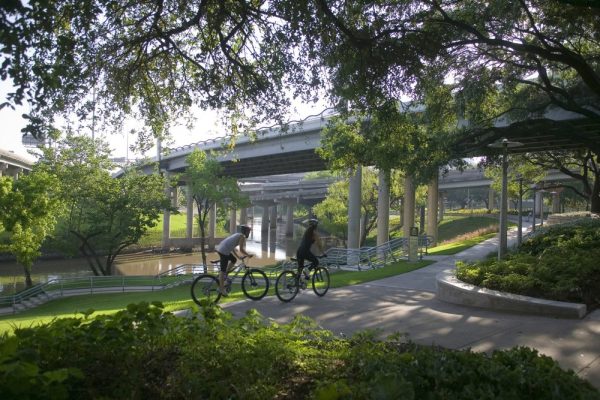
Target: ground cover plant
(145, 353)
(558, 262)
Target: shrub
(558, 263)
(144, 353)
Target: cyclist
(310, 237)
(227, 253)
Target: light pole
(504, 144)
(520, 232)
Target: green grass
(458, 246)
(176, 298)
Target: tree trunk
(595, 196)
(28, 281)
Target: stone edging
(452, 290)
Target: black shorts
(225, 260)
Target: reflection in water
(268, 247)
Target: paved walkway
(407, 304)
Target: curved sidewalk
(407, 304)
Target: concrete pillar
(289, 220)
(409, 206)
(539, 203)
(3, 167)
(190, 214)
(166, 234)
(232, 220)
(273, 217)
(244, 216)
(383, 209)
(354, 198)
(212, 226)
(441, 207)
(432, 209)
(555, 202)
(491, 199)
(264, 223)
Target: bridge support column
(354, 197)
(409, 206)
(244, 216)
(432, 209)
(539, 203)
(3, 167)
(441, 207)
(383, 208)
(289, 218)
(491, 199)
(232, 220)
(273, 217)
(212, 227)
(166, 233)
(189, 233)
(555, 202)
(264, 223)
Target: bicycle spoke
(320, 281)
(286, 286)
(255, 284)
(205, 290)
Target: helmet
(313, 222)
(245, 230)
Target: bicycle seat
(216, 261)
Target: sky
(207, 126)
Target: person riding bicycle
(310, 237)
(227, 253)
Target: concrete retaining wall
(451, 290)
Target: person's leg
(313, 260)
(224, 261)
(300, 258)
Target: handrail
(359, 259)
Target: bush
(143, 353)
(557, 263)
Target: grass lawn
(177, 298)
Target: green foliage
(29, 209)
(104, 215)
(560, 263)
(143, 352)
(209, 187)
(333, 211)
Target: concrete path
(407, 304)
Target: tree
(29, 208)
(209, 187)
(580, 165)
(104, 215)
(155, 61)
(333, 211)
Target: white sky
(207, 126)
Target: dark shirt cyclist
(310, 237)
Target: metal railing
(337, 257)
(366, 258)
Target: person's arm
(242, 246)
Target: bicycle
(288, 283)
(205, 288)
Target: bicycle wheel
(286, 286)
(255, 284)
(205, 290)
(320, 281)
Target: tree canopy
(208, 187)
(157, 61)
(104, 215)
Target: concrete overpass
(12, 164)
